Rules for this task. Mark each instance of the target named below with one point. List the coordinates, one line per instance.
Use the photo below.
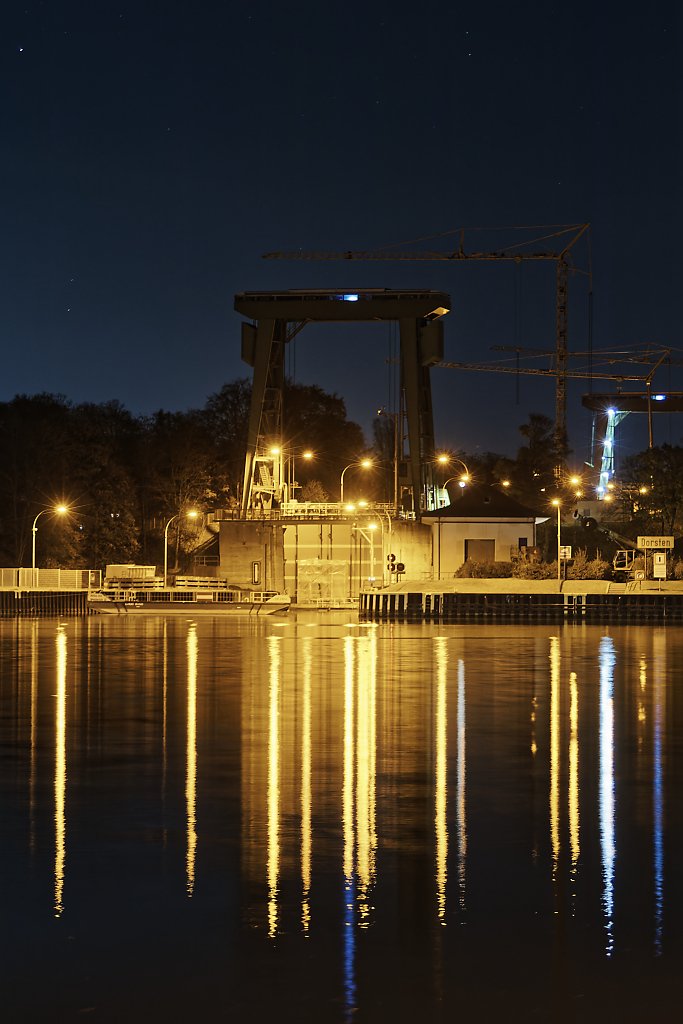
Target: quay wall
(530, 601)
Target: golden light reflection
(606, 793)
(347, 828)
(60, 770)
(191, 777)
(365, 774)
(460, 784)
(273, 781)
(574, 822)
(642, 716)
(555, 749)
(306, 837)
(164, 708)
(34, 729)
(440, 815)
(659, 716)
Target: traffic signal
(391, 563)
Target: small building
(484, 524)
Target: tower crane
(567, 235)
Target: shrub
(473, 570)
(582, 569)
(534, 570)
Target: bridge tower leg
(263, 470)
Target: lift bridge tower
(278, 316)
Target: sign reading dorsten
(654, 543)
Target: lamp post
(291, 473)
(365, 463)
(556, 502)
(58, 508)
(373, 527)
(463, 479)
(190, 515)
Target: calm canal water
(308, 819)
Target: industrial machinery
(629, 561)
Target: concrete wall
(244, 543)
(317, 561)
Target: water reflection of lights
(365, 774)
(607, 660)
(574, 820)
(659, 699)
(440, 817)
(34, 728)
(273, 782)
(306, 786)
(191, 777)
(347, 826)
(60, 771)
(460, 784)
(555, 749)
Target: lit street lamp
(365, 463)
(59, 508)
(190, 515)
(556, 502)
(463, 479)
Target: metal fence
(50, 579)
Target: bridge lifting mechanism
(568, 234)
(278, 316)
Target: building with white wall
(484, 524)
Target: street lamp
(58, 508)
(556, 502)
(365, 463)
(190, 515)
(463, 479)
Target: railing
(50, 579)
(311, 510)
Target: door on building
(480, 550)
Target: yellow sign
(655, 543)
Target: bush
(472, 570)
(582, 569)
(523, 570)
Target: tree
(35, 456)
(653, 488)
(317, 421)
(532, 473)
(226, 418)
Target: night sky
(153, 151)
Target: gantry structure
(565, 234)
(277, 317)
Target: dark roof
(480, 501)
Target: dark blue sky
(153, 151)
